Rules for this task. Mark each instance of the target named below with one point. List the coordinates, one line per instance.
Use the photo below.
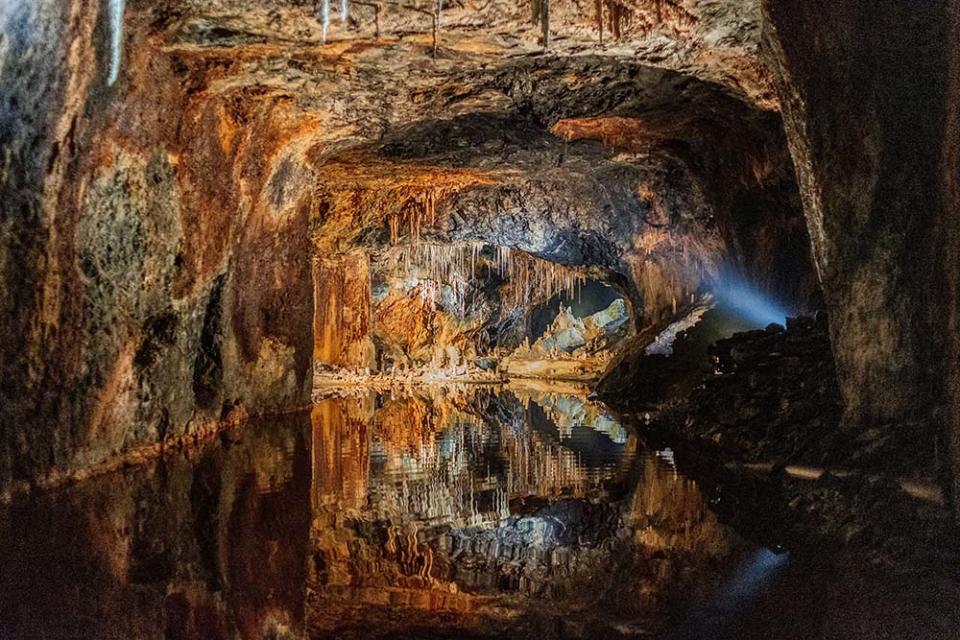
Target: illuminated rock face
(341, 318)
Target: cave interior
(427, 319)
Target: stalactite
(646, 14)
(115, 10)
(420, 207)
(344, 11)
(436, 26)
(377, 7)
(540, 14)
(534, 280)
(323, 8)
(545, 23)
(434, 18)
(598, 8)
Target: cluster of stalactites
(420, 209)
(533, 280)
(537, 467)
(440, 262)
(530, 280)
(643, 16)
(433, 264)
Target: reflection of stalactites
(116, 10)
(539, 468)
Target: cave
(383, 319)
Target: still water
(469, 512)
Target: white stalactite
(325, 18)
(115, 10)
(531, 280)
(344, 11)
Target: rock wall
(863, 91)
(951, 207)
(149, 286)
(342, 318)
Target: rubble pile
(773, 395)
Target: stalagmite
(116, 10)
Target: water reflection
(459, 513)
(516, 506)
(206, 546)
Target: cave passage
(547, 319)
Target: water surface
(464, 512)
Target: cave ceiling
(569, 154)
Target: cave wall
(864, 94)
(150, 280)
(951, 208)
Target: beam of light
(720, 614)
(737, 293)
(115, 11)
(754, 574)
